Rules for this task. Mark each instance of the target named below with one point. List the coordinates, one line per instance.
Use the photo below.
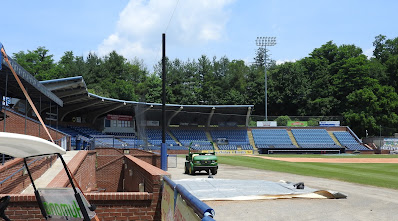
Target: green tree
(38, 62)
(288, 89)
(370, 107)
(282, 120)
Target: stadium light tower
(264, 42)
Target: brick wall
(115, 206)
(109, 166)
(23, 207)
(82, 166)
(21, 179)
(109, 169)
(84, 175)
(139, 173)
(15, 123)
(110, 205)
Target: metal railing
(19, 170)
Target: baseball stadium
(126, 162)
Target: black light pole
(264, 42)
(163, 148)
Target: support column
(248, 116)
(175, 114)
(213, 109)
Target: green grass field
(333, 155)
(380, 174)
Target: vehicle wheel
(186, 169)
(214, 171)
(191, 171)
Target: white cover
(21, 146)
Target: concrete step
(251, 140)
(49, 175)
(208, 135)
(334, 138)
(292, 138)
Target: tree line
(333, 80)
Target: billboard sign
(61, 204)
(167, 204)
(329, 123)
(297, 123)
(266, 124)
(183, 212)
(390, 143)
(119, 117)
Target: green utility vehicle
(201, 161)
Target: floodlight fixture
(264, 42)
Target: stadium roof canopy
(35, 89)
(79, 102)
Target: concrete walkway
(49, 175)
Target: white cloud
(278, 62)
(369, 52)
(141, 23)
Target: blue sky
(211, 27)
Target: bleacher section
(202, 147)
(246, 147)
(268, 138)
(85, 131)
(313, 138)
(155, 138)
(185, 137)
(121, 134)
(71, 132)
(347, 140)
(227, 147)
(235, 138)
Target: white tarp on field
(226, 189)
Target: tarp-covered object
(21, 146)
(226, 189)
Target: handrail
(354, 135)
(10, 176)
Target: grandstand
(232, 139)
(272, 138)
(155, 137)
(347, 140)
(313, 138)
(188, 136)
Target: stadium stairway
(334, 138)
(174, 138)
(294, 142)
(49, 175)
(251, 141)
(209, 138)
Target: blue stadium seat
(346, 139)
(155, 137)
(188, 136)
(234, 137)
(272, 138)
(314, 138)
